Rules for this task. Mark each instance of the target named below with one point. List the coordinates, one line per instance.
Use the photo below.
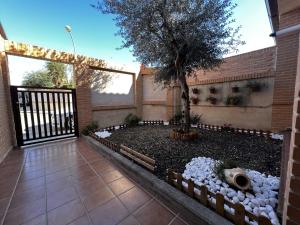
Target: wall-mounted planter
(212, 90)
(255, 86)
(212, 100)
(234, 100)
(195, 100)
(235, 89)
(195, 91)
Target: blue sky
(42, 23)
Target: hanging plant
(212, 90)
(235, 89)
(234, 100)
(212, 100)
(195, 91)
(195, 100)
(255, 86)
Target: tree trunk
(185, 99)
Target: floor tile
(153, 213)
(28, 197)
(21, 215)
(121, 185)
(3, 206)
(130, 220)
(103, 214)
(40, 220)
(66, 213)
(55, 199)
(97, 198)
(83, 220)
(134, 198)
(89, 186)
(112, 176)
(178, 221)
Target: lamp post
(69, 30)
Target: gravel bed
(251, 152)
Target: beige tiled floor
(69, 183)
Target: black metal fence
(43, 114)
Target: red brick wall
(256, 62)
(286, 68)
(288, 93)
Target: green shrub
(177, 117)
(92, 127)
(221, 166)
(195, 118)
(132, 120)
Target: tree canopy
(176, 36)
(53, 75)
(37, 79)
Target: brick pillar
(286, 69)
(82, 75)
(291, 207)
(139, 95)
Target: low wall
(108, 116)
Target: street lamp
(69, 29)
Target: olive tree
(176, 36)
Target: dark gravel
(252, 152)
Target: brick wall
(6, 135)
(256, 63)
(291, 211)
(286, 68)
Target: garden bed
(248, 151)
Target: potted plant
(255, 86)
(212, 100)
(235, 89)
(234, 100)
(212, 90)
(195, 100)
(195, 91)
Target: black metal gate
(43, 114)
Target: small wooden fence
(215, 201)
(139, 158)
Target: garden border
(202, 194)
(197, 213)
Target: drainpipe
(286, 31)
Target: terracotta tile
(58, 175)
(40, 220)
(65, 213)
(130, 220)
(3, 205)
(134, 198)
(154, 213)
(112, 176)
(83, 220)
(28, 197)
(21, 215)
(59, 184)
(178, 221)
(103, 214)
(89, 186)
(121, 185)
(97, 198)
(103, 167)
(32, 175)
(29, 184)
(55, 199)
